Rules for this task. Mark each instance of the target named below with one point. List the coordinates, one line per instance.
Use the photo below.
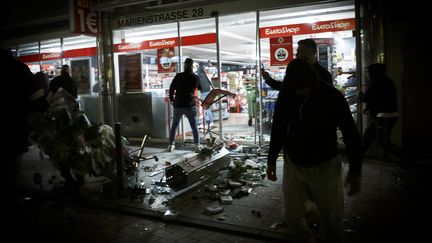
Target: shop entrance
(226, 55)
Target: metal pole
(219, 65)
(39, 52)
(259, 86)
(359, 65)
(61, 50)
(180, 67)
(106, 71)
(119, 160)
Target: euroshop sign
(308, 28)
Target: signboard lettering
(171, 16)
(83, 21)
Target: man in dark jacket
(182, 96)
(307, 115)
(381, 105)
(306, 50)
(27, 97)
(64, 81)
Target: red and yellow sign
(166, 43)
(312, 28)
(165, 63)
(83, 21)
(281, 51)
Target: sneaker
(198, 148)
(171, 147)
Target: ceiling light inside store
(238, 37)
(285, 13)
(211, 50)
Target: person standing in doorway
(307, 115)
(307, 51)
(381, 106)
(182, 97)
(65, 81)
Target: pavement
(394, 205)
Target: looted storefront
(227, 48)
(226, 54)
(228, 43)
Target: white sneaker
(198, 148)
(171, 147)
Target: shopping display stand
(214, 96)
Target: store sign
(164, 17)
(191, 40)
(308, 28)
(208, 38)
(29, 58)
(130, 72)
(151, 44)
(50, 56)
(83, 52)
(165, 63)
(83, 21)
(80, 72)
(324, 41)
(281, 51)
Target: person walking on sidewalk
(182, 97)
(307, 115)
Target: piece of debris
(251, 163)
(275, 225)
(256, 213)
(211, 210)
(222, 217)
(225, 193)
(170, 214)
(234, 184)
(151, 200)
(225, 200)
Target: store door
(237, 41)
(198, 41)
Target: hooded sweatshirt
(305, 125)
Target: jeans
(191, 114)
(321, 184)
(208, 114)
(382, 129)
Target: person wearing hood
(307, 115)
(381, 106)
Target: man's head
(65, 69)
(307, 50)
(188, 64)
(376, 70)
(300, 76)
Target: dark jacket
(321, 72)
(380, 97)
(182, 89)
(66, 82)
(25, 95)
(305, 126)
